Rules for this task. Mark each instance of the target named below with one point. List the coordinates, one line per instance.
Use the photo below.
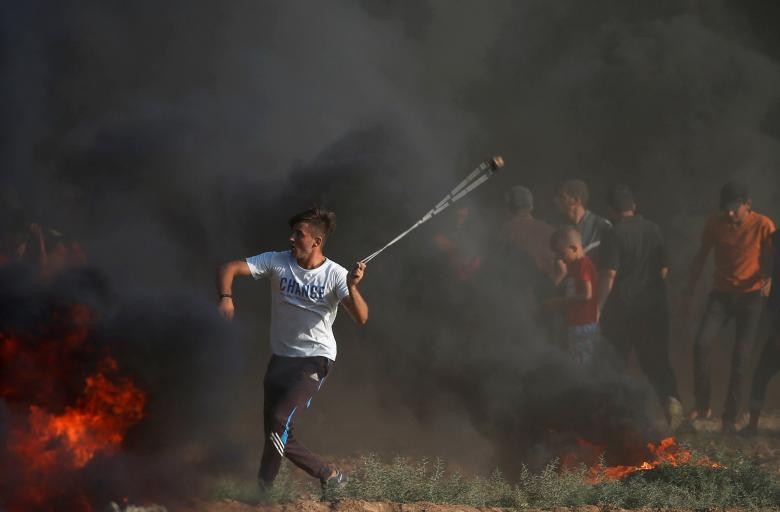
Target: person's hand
(356, 275)
(766, 287)
(226, 308)
(559, 271)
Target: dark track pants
(768, 366)
(745, 309)
(289, 385)
(645, 330)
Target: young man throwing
(306, 290)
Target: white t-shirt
(303, 303)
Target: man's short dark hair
(577, 189)
(323, 221)
(519, 198)
(733, 194)
(620, 198)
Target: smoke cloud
(168, 139)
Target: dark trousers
(745, 309)
(768, 366)
(643, 328)
(289, 385)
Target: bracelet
(225, 295)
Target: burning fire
(65, 416)
(667, 451)
(97, 423)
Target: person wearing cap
(526, 233)
(740, 240)
(633, 266)
(527, 258)
(769, 362)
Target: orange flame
(37, 371)
(96, 424)
(667, 451)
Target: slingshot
(477, 177)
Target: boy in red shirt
(579, 303)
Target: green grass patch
(285, 489)
(406, 481)
(739, 483)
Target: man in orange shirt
(741, 241)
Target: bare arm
(354, 303)
(606, 281)
(38, 233)
(686, 301)
(225, 275)
(558, 273)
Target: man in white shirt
(306, 290)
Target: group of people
(606, 279)
(611, 289)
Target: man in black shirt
(769, 363)
(633, 265)
(571, 200)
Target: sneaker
(691, 424)
(337, 481)
(675, 411)
(699, 415)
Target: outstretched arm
(354, 303)
(225, 275)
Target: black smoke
(170, 138)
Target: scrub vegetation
(738, 483)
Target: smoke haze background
(171, 138)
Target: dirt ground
(765, 447)
(368, 506)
